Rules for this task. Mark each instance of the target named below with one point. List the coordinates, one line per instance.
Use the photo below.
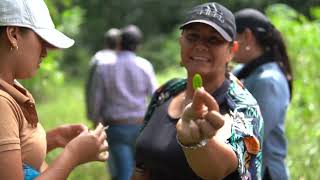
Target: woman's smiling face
(204, 50)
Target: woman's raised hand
(200, 120)
(62, 135)
(89, 146)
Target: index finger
(202, 98)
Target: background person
(120, 92)
(266, 73)
(26, 33)
(213, 132)
(109, 53)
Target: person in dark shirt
(212, 132)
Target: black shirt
(157, 149)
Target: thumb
(203, 101)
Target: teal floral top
(158, 151)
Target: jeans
(122, 139)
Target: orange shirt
(19, 127)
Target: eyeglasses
(194, 38)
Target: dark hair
(131, 37)
(269, 38)
(112, 38)
(22, 29)
(2, 29)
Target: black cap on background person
(253, 19)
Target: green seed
(196, 81)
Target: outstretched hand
(200, 120)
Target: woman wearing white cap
(212, 132)
(26, 33)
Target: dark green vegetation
(86, 21)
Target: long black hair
(268, 37)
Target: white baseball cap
(33, 14)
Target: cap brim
(223, 33)
(55, 38)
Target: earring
(14, 47)
(235, 47)
(247, 48)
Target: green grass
(68, 107)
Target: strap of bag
(162, 94)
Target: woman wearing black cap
(267, 75)
(212, 132)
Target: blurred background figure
(111, 46)
(266, 73)
(119, 93)
(109, 53)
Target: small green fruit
(196, 81)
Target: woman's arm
(62, 135)
(216, 160)
(11, 165)
(202, 120)
(88, 146)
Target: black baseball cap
(252, 19)
(214, 15)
